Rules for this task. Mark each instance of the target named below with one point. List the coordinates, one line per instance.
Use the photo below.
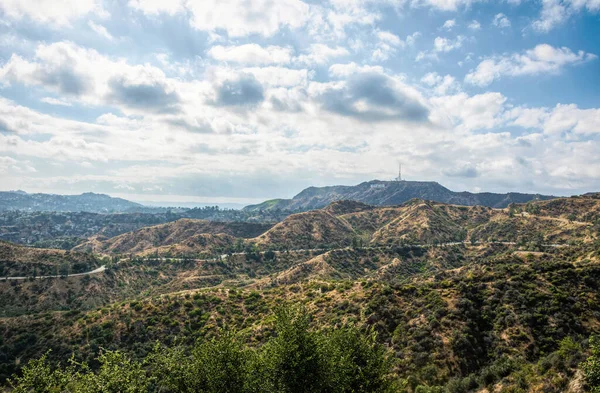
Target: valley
(455, 293)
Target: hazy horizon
(169, 200)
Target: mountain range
(465, 299)
(388, 193)
(375, 192)
(343, 223)
(88, 202)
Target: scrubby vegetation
(503, 311)
(591, 366)
(294, 359)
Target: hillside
(16, 260)
(423, 222)
(345, 223)
(388, 193)
(87, 202)
(504, 310)
(172, 233)
(316, 228)
(484, 319)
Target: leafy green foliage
(591, 367)
(295, 360)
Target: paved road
(223, 257)
(95, 271)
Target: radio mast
(399, 178)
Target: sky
(243, 100)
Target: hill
(183, 231)
(317, 228)
(427, 222)
(388, 193)
(350, 223)
(87, 202)
(16, 260)
(484, 319)
(503, 310)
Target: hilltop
(16, 260)
(181, 232)
(346, 223)
(86, 202)
(388, 193)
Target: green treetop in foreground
(591, 367)
(295, 359)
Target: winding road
(224, 256)
(95, 271)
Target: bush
(296, 360)
(591, 367)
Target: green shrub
(295, 359)
(591, 367)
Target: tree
(591, 367)
(294, 361)
(297, 359)
(64, 269)
(358, 362)
(214, 366)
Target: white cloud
(237, 17)
(527, 117)
(501, 21)
(100, 30)
(9, 165)
(329, 20)
(66, 69)
(410, 40)
(387, 45)
(126, 187)
(280, 76)
(154, 7)
(251, 54)
(321, 54)
(556, 12)
(565, 118)
(475, 25)
(442, 44)
(445, 5)
(481, 111)
(49, 12)
(561, 118)
(449, 24)
(440, 84)
(543, 58)
(389, 38)
(55, 101)
(345, 70)
(241, 17)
